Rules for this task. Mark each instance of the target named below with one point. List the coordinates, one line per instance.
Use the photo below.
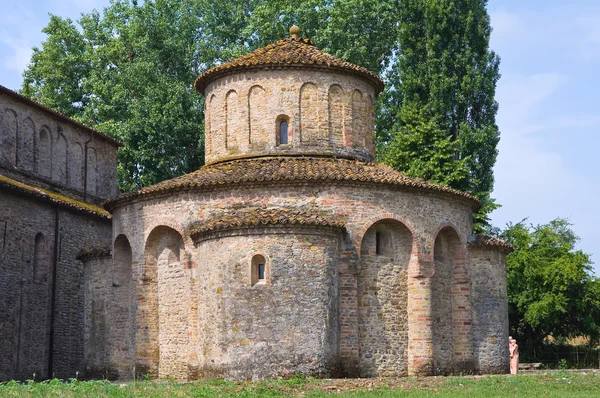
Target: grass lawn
(562, 385)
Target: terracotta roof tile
(288, 52)
(286, 169)
(52, 197)
(258, 217)
(57, 114)
(490, 241)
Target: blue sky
(549, 99)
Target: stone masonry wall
(38, 148)
(382, 300)
(27, 254)
(327, 112)
(490, 309)
(362, 205)
(96, 313)
(289, 324)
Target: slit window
(283, 132)
(259, 273)
(378, 243)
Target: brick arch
(212, 131)
(26, 144)
(358, 239)
(122, 306)
(440, 227)
(173, 224)
(43, 152)
(232, 119)
(9, 125)
(382, 295)
(308, 113)
(451, 303)
(257, 130)
(335, 109)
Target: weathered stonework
(279, 258)
(490, 307)
(328, 113)
(49, 212)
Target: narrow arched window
(282, 124)
(259, 272)
(283, 132)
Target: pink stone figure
(513, 349)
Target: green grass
(563, 385)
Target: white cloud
(507, 24)
(21, 53)
(519, 96)
(545, 55)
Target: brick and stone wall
(373, 292)
(289, 324)
(327, 112)
(39, 148)
(27, 256)
(490, 308)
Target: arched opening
(8, 138)
(211, 128)
(44, 153)
(358, 119)
(259, 272)
(232, 122)
(25, 140)
(336, 115)
(40, 259)
(59, 160)
(309, 114)
(92, 171)
(162, 313)
(257, 106)
(76, 166)
(122, 294)
(383, 298)
(451, 308)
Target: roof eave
(202, 81)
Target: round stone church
(291, 251)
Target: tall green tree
(551, 290)
(446, 67)
(57, 72)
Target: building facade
(290, 251)
(54, 173)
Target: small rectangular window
(261, 272)
(378, 243)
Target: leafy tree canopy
(551, 290)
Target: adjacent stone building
(54, 173)
(291, 250)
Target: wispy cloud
(20, 55)
(546, 53)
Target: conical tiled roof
(290, 52)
